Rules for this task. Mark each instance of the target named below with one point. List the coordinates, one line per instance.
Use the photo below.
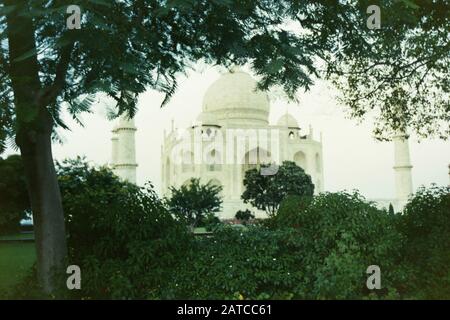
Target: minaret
(449, 175)
(124, 157)
(114, 146)
(311, 132)
(402, 169)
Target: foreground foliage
(13, 194)
(129, 246)
(426, 226)
(322, 254)
(122, 237)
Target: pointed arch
(318, 163)
(187, 164)
(214, 161)
(254, 158)
(300, 159)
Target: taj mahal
(231, 135)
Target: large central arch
(254, 158)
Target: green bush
(244, 216)
(255, 263)
(425, 224)
(121, 236)
(341, 235)
(130, 247)
(210, 222)
(289, 211)
(195, 203)
(326, 257)
(336, 236)
(344, 234)
(13, 194)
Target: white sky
(352, 158)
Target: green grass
(18, 236)
(16, 259)
(200, 230)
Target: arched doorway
(214, 161)
(300, 159)
(167, 173)
(253, 159)
(187, 164)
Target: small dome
(234, 96)
(289, 121)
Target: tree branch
(50, 94)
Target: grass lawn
(16, 259)
(18, 236)
(199, 230)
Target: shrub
(336, 237)
(289, 211)
(211, 222)
(425, 224)
(121, 236)
(341, 235)
(194, 203)
(255, 263)
(13, 194)
(244, 215)
(129, 246)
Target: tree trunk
(34, 126)
(48, 216)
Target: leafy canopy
(266, 192)
(123, 48)
(399, 73)
(193, 202)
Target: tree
(266, 192)
(194, 201)
(244, 216)
(391, 209)
(124, 48)
(399, 73)
(13, 194)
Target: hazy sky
(352, 158)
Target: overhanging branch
(51, 93)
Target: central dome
(233, 98)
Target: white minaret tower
(402, 169)
(114, 146)
(124, 149)
(449, 175)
